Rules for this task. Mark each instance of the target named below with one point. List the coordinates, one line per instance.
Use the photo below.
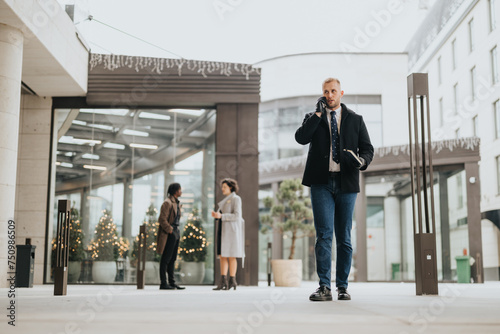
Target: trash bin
(25, 266)
(463, 269)
(395, 271)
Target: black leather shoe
(175, 286)
(166, 287)
(323, 293)
(343, 294)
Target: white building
(458, 46)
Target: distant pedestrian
(167, 242)
(231, 234)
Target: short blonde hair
(327, 80)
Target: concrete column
(392, 224)
(11, 55)
(127, 210)
(361, 262)
(33, 176)
(474, 220)
(237, 157)
(445, 226)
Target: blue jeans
(332, 210)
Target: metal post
(141, 258)
(269, 257)
(422, 182)
(62, 248)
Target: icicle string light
(112, 62)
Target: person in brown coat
(167, 242)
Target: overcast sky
(248, 31)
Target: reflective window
(389, 230)
(454, 54)
(471, 35)
(475, 126)
(114, 165)
(473, 82)
(498, 174)
(496, 110)
(492, 14)
(494, 65)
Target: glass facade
(114, 166)
(389, 230)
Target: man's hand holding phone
(320, 106)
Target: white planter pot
(192, 272)
(287, 272)
(74, 270)
(152, 272)
(104, 271)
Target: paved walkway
(375, 308)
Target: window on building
(498, 174)
(473, 82)
(494, 65)
(496, 107)
(455, 98)
(454, 54)
(492, 14)
(457, 133)
(372, 115)
(471, 35)
(439, 70)
(475, 126)
(441, 112)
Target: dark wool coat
(315, 131)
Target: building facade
(457, 46)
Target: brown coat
(168, 212)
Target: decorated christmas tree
(152, 225)
(105, 245)
(76, 252)
(193, 243)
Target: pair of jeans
(167, 262)
(332, 210)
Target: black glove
(321, 105)
(357, 161)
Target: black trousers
(167, 262)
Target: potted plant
(193, 250)
(289, 214)
(104, 249)
(152, 258)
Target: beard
(334, 105)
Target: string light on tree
(106, 246)
(152, 225)
(193, 245)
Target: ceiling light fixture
(146, 146)
(95, 167)
(179, 172)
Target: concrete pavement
(374, 308)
